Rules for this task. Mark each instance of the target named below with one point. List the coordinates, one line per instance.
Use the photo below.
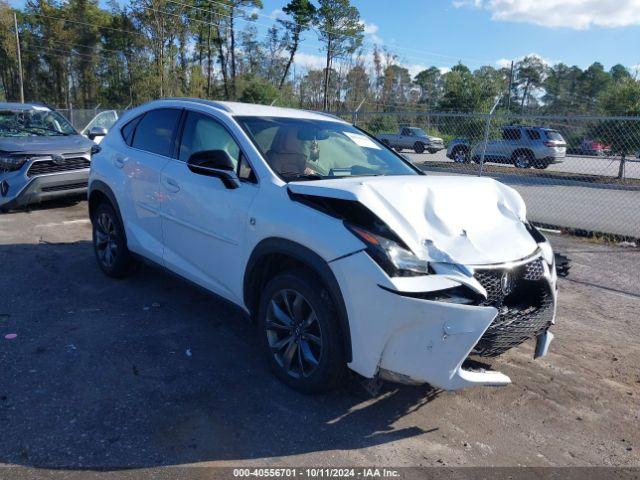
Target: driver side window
(202, 133)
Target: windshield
(33, 123)
(301, 149)
(418, 132)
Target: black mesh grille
(44, 167)
(524, 302)
(68, 186)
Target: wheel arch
(457, 148)
(274, 255)
(100, 192)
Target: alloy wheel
(522, 161)
(294, 333)
(106, 244)
(460, 157)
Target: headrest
(287, 142)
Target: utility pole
(15, 24)
(510, 86)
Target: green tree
(356, 86)
(301, 14)
(340, 29)
(430, 83)
(619, 72)
(259, 90)
(530, 73)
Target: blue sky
(489, 32)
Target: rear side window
(554, 135)
(155, 133)
(533, 134)
(128, 130)
(511, 134)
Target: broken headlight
(11, 163)
(393, 258)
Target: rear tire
(300, 335)
(418, 147)
(109, 243)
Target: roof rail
(202, 101)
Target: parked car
(342, 252)
(521, 146)
(412, 138)
(594, 148)
(41, 155)
(99, 125)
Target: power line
(133, 32)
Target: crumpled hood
(466, 220)
(42, 144)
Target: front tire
(109, 243)
(522, 159)
(461, 155)
(301, 337)
(418, 147)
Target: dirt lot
(150, 371)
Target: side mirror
(97, 132)
(215, 163)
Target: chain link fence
(575, 172)
(83, 119)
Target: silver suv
(521, 146)
(41, 155)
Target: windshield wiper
(305, 176)
(49, 130)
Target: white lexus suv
(342, 252)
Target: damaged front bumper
(410, 330)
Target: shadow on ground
(150, 371)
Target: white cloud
(277, 14)
(371, 30)
(576, 14)
(310, 61)
(506, 62)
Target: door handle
(119, 161)
(171, 185)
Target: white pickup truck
(412, 138)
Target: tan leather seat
(286, 156)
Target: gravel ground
(151, 372)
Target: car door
(204, 222)
(152, 142)
(406, 140)
(512, 141)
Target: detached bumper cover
(415, 340)
(421, 340)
